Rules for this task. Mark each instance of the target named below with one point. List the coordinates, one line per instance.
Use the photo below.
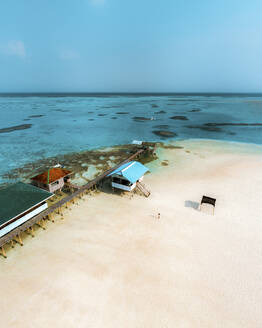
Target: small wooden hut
(52, 180)
(19, 203)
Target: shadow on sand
(190, 203)
(105, 187)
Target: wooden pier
(15, 235)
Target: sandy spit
(112, 263)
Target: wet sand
(112, 263)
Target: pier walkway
(14, 235)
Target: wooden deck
(47, 214)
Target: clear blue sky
(131, 45)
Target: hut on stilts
(53, 179)
(129, 176)
(18, 204)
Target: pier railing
(57, 206)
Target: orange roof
(54, 174)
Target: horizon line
(129, 93)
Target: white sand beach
(111, 263)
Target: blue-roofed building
(128, 175)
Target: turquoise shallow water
(55, 124)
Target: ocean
(36, 126)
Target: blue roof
(132, 171)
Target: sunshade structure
(19, 203)
(206, 203)
(127, 175)
(51, 180)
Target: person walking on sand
(158, 216)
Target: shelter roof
(208, 200)
(55, 173)
(19, 198)
(132, 171)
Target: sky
(130, 46)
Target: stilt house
(53, 179)
(128, 175)
(19, 203)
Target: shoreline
(100, 159)
(85, 165)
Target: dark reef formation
(165, 134)
(15, 128)
(179, 117)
